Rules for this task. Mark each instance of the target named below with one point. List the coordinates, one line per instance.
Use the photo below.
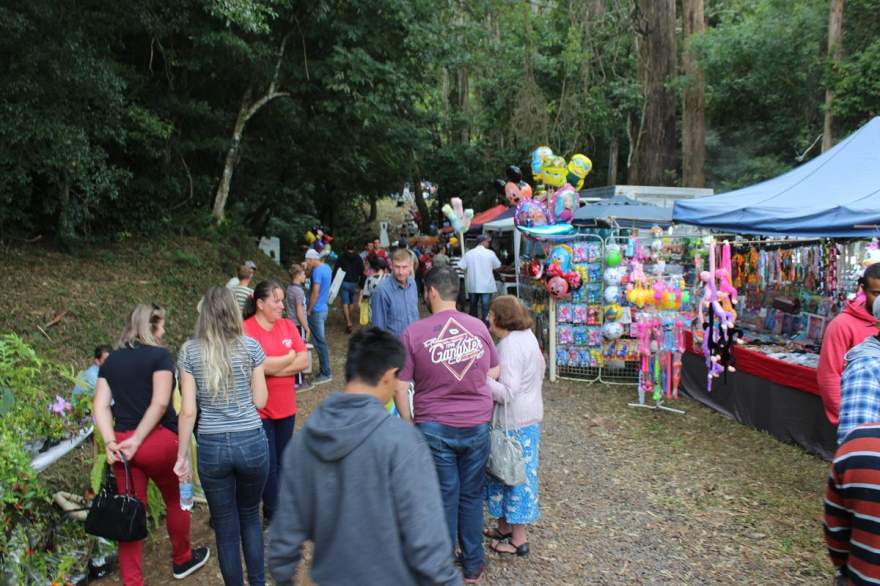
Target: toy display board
(790, 290)
(578, 315)
(648, 304)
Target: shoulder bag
(506, 460)
(118, 517)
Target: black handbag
(118, 517)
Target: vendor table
(765, 393)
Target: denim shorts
(347, 292)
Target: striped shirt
(242, 293)
(859, 394)
(852, 506)
(454, 262)
(235, 412)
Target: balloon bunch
(560, 279)
(318, 238)
(459, 218)
(719, 325)
(533, 215)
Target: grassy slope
(99, 286)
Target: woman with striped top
(221, 377)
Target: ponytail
(263, 290)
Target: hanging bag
(118, 517)
(506, 460)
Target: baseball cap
(250, 264)
(312, 254)
(483, 238)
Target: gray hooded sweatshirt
(361, 485)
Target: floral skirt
(518, 504)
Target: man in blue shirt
(321, 276)
(395, 302)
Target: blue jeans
(319, 339)
(460, 456)
(278, 433)
(480, 305)
(233, 467)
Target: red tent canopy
(488, 215)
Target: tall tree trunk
(653, 160)
(374, 208)
(693, 139)
(613, 156)
(835, 53)
(248, 108)
(464, 101)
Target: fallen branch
(56, 319)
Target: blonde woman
(221, 377)
(517, 394)
(133, 412)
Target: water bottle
(186, 495)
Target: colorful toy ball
(557, 287)
(580, 165)
(613, 257)
(613, 312)
(612, 330)
(612, 294)
(612, 276)
(530, 213)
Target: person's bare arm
(302, 319)
(104, 419)
(258, 386)
(162, 381)
(401, 399)
(186, 420)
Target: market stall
(791, 280)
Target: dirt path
(636, 497)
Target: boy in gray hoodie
(362, 486)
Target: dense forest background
(145, 116)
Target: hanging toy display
(719, 324)
(559, 274)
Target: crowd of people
(400, 454)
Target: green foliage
(117, 122)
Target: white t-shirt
(478, 263)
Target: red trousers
(154, 460)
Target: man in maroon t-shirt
(449, 356)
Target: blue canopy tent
(837, 194)
(622, 211)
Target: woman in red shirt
(285, 356)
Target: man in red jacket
(850, 328)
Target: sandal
(494, 533)
(519, 550)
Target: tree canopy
(122, 118)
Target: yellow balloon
(580, 165)
(555, 176)
(453, 241)
(310, 237)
